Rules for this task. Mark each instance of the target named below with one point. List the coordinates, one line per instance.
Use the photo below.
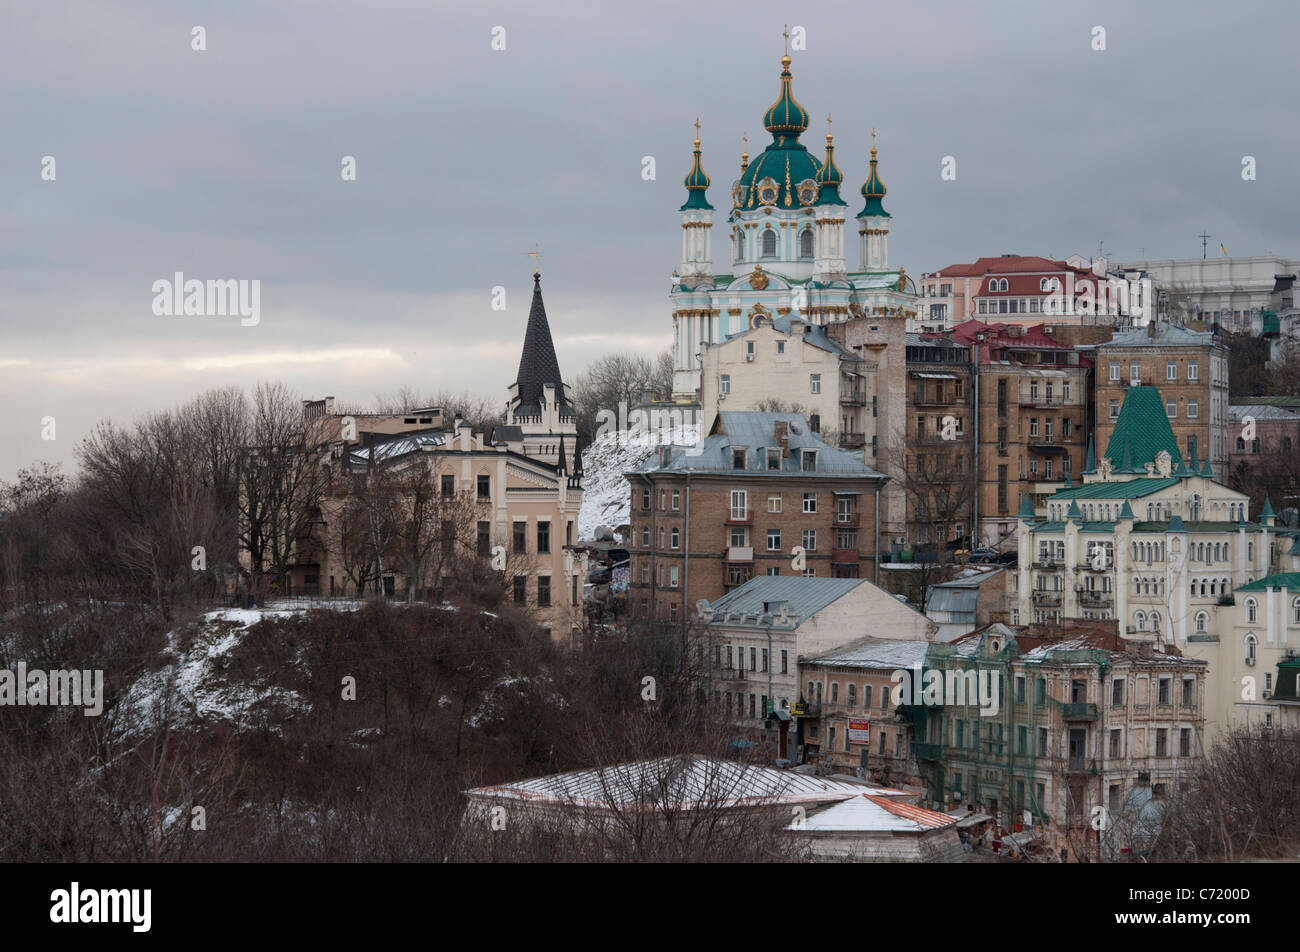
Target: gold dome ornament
(758, 279)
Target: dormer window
(773, 459)
(737, 459)
(808, 461)
(993, 284)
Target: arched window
(769, 243)
(1251, 610)
(1202, 588)
(1196, 507)
(1295, 611)
(1002, 285)
(1202, 622)
(852, 695)
(1213, 587)
(1251, 645)
(806, 243)
(1137, 586)
(1155, 621)
(866, 695)
(835, 692)
(740, 245)
(993, 284)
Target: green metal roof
(1129, 489)
(1288, 580)
(1144, 429)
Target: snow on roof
(871, 813)
(874, 653)
(686, 782)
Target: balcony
(846, 556)
(806, 710)
(846, 519)
(740, 553)
(740, 517)
(853, 398)
(1052, 402)
(731, 674)
(1079, 711)
(1048, 599)
(1096, 599)
(1050, 565)
(926, 751)
(853, 441)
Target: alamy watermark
(953, 687)
(179, 297)
(21, 687)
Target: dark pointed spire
(1090, 464)
(1126, 462)
(537, 364)
(563, 466)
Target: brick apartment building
(707, 519)
(1190, 368)
(939, 439)
(1031, 419)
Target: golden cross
(697, 127)
(873, 137)
(745, 139)
(828, 123)
(536, 255)
(786, 33)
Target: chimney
(1151, 330)
(782, 434)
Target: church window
(806, 243)
(769, 243)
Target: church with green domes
(785, 242)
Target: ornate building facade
(785, 243)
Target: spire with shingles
(538, 364)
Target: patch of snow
(606, 495)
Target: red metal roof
(921, 815)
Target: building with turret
(785, 243)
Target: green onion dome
(829, 178)
(784, 175)
(785, 116)
(873, 190)
(696, 182)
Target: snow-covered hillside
(605, 491)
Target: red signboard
(859, 732)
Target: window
(737, 459)
(749, 349)
(726, 384)
(674, 537)
(1002, 284)
(1171, 409)
(780, 347)
(1185, 742)
(1114, 372)
(993, 284)
(1114, 409)
(809, 502)
(1116, 743)
(485, 487)
(677, 500)
(544, 591)
(520, 537)
(1162, 742)
(810, 540)
(806, 243)
(739, 509)
(769, 243)
(448, 486)
(785, 661)
(543, 537)
(774, 540)
(645, 499)
(1171, 370)
(1135, 373)
(1193, 409)
(1193, 371)
(808, 461)
(773, 503)
(1189, 692)
(1117, 693)
(1042, 742)
(484, 539)
(1202, 623)
(851, 695)
(1162, 691)
(774, 459)
(521, 590)
(672, 576)
(1251, 610)
(815, 382)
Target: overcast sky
(226, 164)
